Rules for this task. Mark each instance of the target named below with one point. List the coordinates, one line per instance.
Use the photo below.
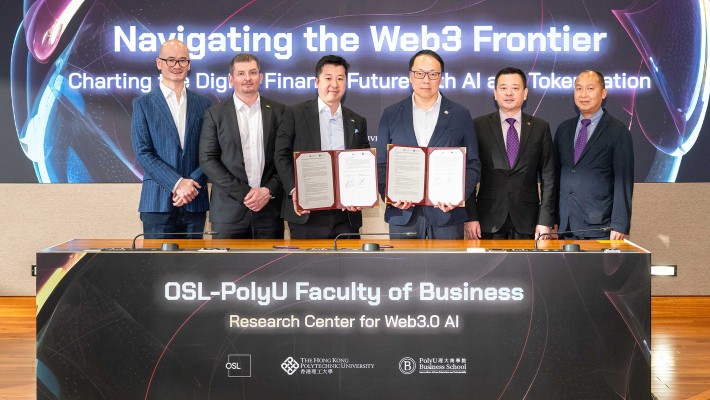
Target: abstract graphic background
(67, 134)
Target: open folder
(335, 179)
(426, 175)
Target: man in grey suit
(319, 124)
(165, 133)
(595, 159)
(516, 151)
(237, 155)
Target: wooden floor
(17, 348)
(680, 343)
(680, 347)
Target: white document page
(357, 172)
(446, 180)
(314, 183)
(406, 174)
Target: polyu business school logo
(407, 365)
(433, 365)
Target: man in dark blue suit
(427, 119)
(595, 159)
(166, 133)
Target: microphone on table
(572, 247)
(370, 246)
(171, 246)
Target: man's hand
(257, 198)
(294, 197)
(445, 207)
(617, 235)
(540, 229)
(472, 230)
(186, 191)
(402, 205)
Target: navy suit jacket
(596, 192)
(504, 190)
(222, 160)
(156, 144)
(300, 131)
(454, 128)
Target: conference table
(298, 319)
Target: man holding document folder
(427, 120)
(319, 124)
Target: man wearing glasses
(166, 133)
(427, 119)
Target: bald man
(595, 162)
(166, 134)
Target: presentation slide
(70, 68)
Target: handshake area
(316, 323)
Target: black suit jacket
(300, 131)
(596, 192)
(222, 160)
(504, 190)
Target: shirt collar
(321, 105)
(167, 91)
(238, 103)
(518, 116)
(594, 118)
(436, 103)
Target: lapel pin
(268, 106)
(528, 124)
(352, 120)
(446, 112)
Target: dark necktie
(513, 142)
(581, 140)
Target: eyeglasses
(421, 74)
(184, 62)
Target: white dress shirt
(177, 109)
(251, 131)
(179, 112)
(332, 131)
(425, 121)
